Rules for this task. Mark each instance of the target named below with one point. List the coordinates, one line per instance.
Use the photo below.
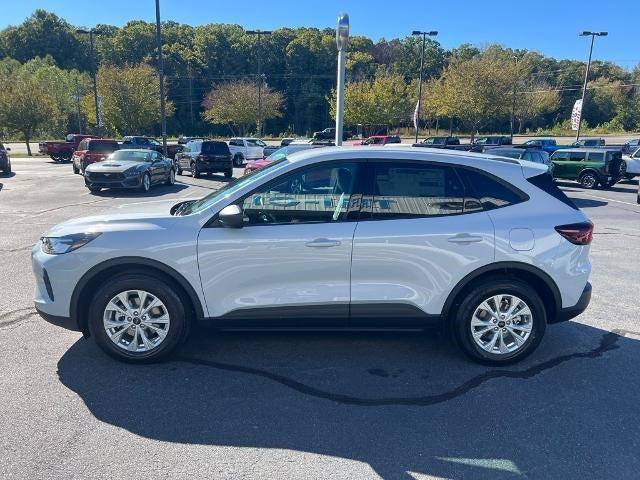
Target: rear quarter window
(545, 183)
(490, 191)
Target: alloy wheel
(136, 321)
(501, 324)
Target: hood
(147, 216)
(115, 166)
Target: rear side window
(491, 192)
(596, 156)
(215, 148)
(576, 156)
(545, 183)
(103, 147)
(408, 190)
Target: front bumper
(570, 312)
(127, 182)
(59, 321)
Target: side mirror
(231, 216)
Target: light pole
(513, 98)
(93, 74)
(163, 117)
(593, 35)
(432, 33)
(259, 34)
(342, 39)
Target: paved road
(314, 406)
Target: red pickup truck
(62, 151)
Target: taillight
(200, 158)
(577, 233)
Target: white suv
(397, 238)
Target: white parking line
(609, 199)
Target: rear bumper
(215, 166)
(570, 312)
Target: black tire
(461, 320)
(76, 170)
(588, 180)
(178, 170)
(228, 173)
(65, 156)
(167, 293)
(55, 158)
(238, 160)
(195, 172)
(7, 169)
(171, 178)
(145, 184)
(93, 189)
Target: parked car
(549, 145)
(588, 143)
(130, 168)
(481, 144)
(246, 149)
(330, 134)
(5, 160)
(277, 155)
(205, 156)
(91, 150)
(397, 238)
(62, 151)
(183, 140)
(133, 141)
(444, 142)
(380, 140)
(632, 164)
(528, 154)
(631, 146)
(591, 167)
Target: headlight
(66, 244)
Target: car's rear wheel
(588, 180)
(500, 322)
(138, 318)
(195, 171)
(76, 170)
(171, 179)
(65, 156)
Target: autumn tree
(130, 100)
(236, 103)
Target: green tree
(130, 100)
(236, 103)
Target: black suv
(5, 161)
(205, 156)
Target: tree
(474, 91)
(130, 100)
(530, 105)
(25, 101)
(236, 103)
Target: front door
(289, 265)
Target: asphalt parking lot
(339, 406)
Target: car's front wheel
(238, 160)
(138, 318)
(500, 322)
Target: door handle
(323, 242)
(464, 238)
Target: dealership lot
(321, 405)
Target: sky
(548, 27)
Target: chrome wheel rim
(136, 321)
(588, 181)
(501, 324)
(145, 182)
(172, 177)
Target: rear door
(575, 165)
(420, 232)
(560, 161)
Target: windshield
(506, 153)
(251, 142)
(130, 156)
(230, 188)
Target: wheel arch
(90, 281)
(541, 281)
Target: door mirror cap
(231, 216)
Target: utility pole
(593, 35)
(78, 106)
(95, 83)
(163, 117)
(513, 99)
(259, 34)
(342, 39)
(419, 104)
(191, 97)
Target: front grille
(105, 177)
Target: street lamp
(93, 74)
(513, 97)
(259, 34)
(593, 35)
(431, 33)
(342, 40)
(163, 117)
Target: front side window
(560, 156)
(318, 194)
(410, 190)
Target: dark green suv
(591, 167)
